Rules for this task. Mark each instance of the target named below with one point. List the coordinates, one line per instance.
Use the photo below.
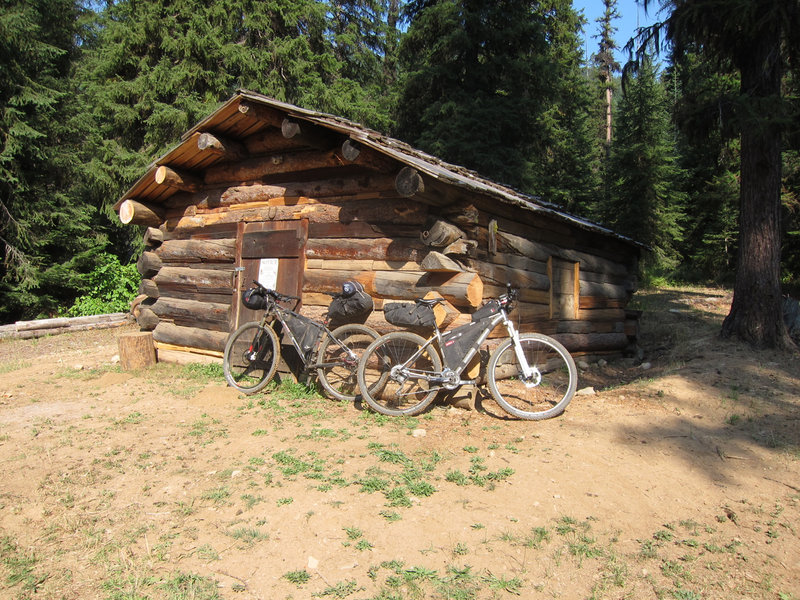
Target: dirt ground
(677, 478)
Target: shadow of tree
(728, 406)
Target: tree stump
(136, 350)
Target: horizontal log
(438, 262)
(256, 169)
(607, 290)
(461, 247)
(463, 289)
(351, 149)
(361, 229)
(503, 275)
(525, 294)
(194, 280)
(193, 337)
(220, 147)
(147, 319)
(179, 180)
(149, 264)
(376, 249)
(198, 251)
(259, 112)
(133, 212)
(408, 182)
(309, 134)
(153, 237)
(439, 233)
(62, 323)
(362, 265)
(206, 315)
(148, 287)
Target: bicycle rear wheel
(338, 354)
(407, 391)
(251, 357)
(543, 396)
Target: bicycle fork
(531, 376)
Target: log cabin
(303, 201)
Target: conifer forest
(691, 145)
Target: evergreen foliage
(477, 79)
(703, 94)
(645, 200)
(45, 235)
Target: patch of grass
(217, 495)
(202, 372)
(512, 585)
(249, 535)
(297, 577)
(343, 589)
(20, 567)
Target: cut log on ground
(136, 351)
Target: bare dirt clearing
(677, 481)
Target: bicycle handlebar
(275, 295)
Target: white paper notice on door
(268, 272)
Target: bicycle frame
(278, 312)
(450, 376)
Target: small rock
(602, 362)
(582, 364)
(419, 433)
(115, 359)
(313, 563)
(78, 367)
(587, 391)
(645, 366)
(235, 473)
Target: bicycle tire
(387, 395)
(250, 374)
(338, 377)
(538, 400)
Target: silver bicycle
(530, 375)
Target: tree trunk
(756, 314)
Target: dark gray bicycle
(253, 351)
(530, 375)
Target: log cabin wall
(365, 216)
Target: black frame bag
(489, 309)
(409, 314)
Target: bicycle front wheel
(251, 357)
(542, 396)
(338, 355)
(404, 390)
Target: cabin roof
(228, 121)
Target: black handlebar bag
(353, 305)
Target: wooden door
(274, 250)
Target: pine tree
(704, 92)
(46, 235)
(563, 165)
(645, 202)
(477, 81)
(758, 37)
(606, 64)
